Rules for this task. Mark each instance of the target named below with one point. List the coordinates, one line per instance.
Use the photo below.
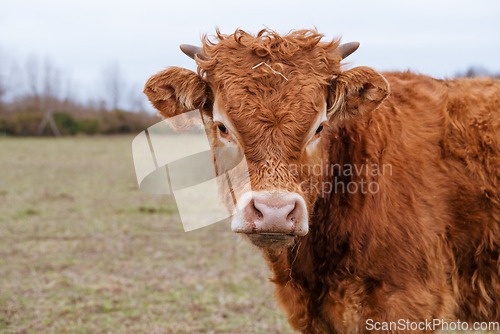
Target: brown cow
(375, 197)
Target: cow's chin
(273, 241)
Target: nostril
(259, 214)
(292, 214)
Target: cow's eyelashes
(320, 128)
(223, 129)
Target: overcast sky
(437, 38)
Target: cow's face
(275, 98)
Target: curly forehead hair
(294, 48)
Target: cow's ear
(356, 92)
(176, 90)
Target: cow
(374, 197)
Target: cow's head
(276, 98)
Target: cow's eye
(223, 129)
(320, 128)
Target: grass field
(83, 250)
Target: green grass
(83, 250)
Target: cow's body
(426, 246)
(423, 243)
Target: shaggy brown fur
(426, 244)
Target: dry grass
(82, 250)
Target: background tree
(113, 85)
(32, 85)
(477, 71)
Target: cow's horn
(191, 51)
(346, 49)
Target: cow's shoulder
(473, 129)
